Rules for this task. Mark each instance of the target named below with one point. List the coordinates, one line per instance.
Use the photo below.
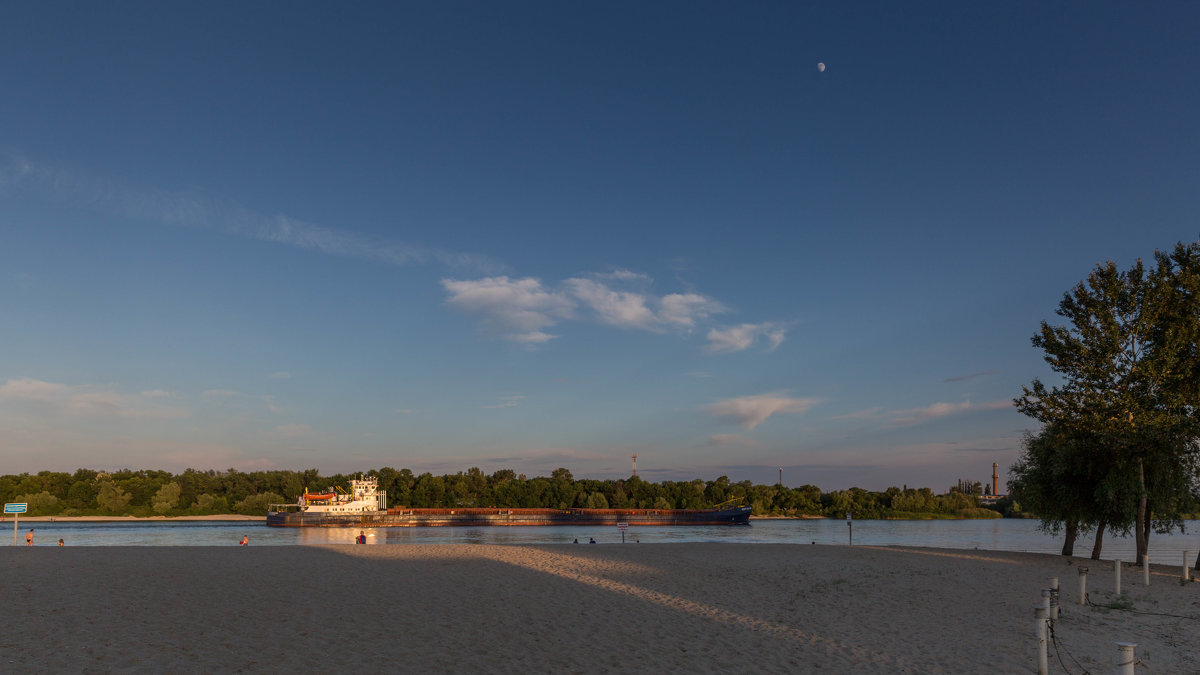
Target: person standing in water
(29, 537)
(245, 540)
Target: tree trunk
(1146, 534)
(1139, 524)
(1099, 540)
(1069, 543)
(1197, 566)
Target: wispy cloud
(751, 411)
(219, 394)
(200, 210)
(506, 402)
(624, 275)
(281, 375)
(904, 418)
(405, 411)
(860, 414)
(744, 336)
(735, 440)
(964, 378)
(96, 401)
(272, 406)
(292, 431)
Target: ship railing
(283, 508)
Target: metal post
(1125, 658)
(1117, 573)
(1146, 568)
(1083, 585)
(1039, 629)
(1186, 573)
(16, 517)
(1054, 598)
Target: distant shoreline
(234, 517)
(134, 519)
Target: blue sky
(531, 235)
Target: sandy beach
(706, 608)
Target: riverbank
(705, 608)
(233, 517)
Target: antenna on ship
(634, 458)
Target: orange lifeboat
(323, 497)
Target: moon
(821, 67)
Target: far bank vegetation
(161, 493)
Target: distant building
(989, 500)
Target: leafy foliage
(1119, 442)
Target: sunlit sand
(710, 608)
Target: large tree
(1128, 357)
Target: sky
(519, 235)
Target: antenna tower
(634, 458)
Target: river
(998, 535)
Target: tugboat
(365, 505)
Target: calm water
(999, 535)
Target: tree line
(148, 493)
(1117, 449)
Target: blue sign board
(15, 508)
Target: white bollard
(1125, 658)
(1083, 585)
(1117, 572)
(1054, 598)
(1146, 568)
(1186, 573)
(1039, 627)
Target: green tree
(111, 498)
(1129, 336)
(166, 498)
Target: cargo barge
(365, 505)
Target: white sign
(622, 526)
(847, 516)
(15, 508)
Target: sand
(696, 608)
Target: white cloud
(627, 309)
(742, 337)
(904, 418)
(405, 411)
(506, 402)
(54, 399)
(521, 310)
(281, 375)
(515, 309)
(219, 393)
(750, 411)
(684, 309)
(616, 308)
